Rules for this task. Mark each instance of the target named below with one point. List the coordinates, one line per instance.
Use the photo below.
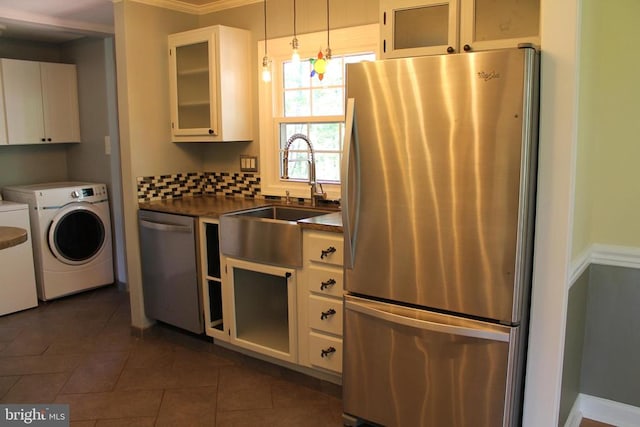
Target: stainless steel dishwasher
(169, 270)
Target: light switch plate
(107, 145)
(248, 163)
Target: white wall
(558, 115)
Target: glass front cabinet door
(418, 27)
(210, 85)
(432, 27)
(496, 24)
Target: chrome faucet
(315, 194)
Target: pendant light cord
(328, 44)
(265, 27)
(294, 19)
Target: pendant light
(266, 62)
(295, 56)
(320, 64)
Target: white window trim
(358, 39)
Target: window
(294, 103)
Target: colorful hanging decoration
(318, 66)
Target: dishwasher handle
(165, 227)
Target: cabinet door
(495, 24)
(60, 102)
(192, 81)
(418, 27)
(23, 101)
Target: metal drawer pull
(326, 284)
(327, 352)
(327, 252)
(326, 314)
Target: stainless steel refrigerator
(439, 171)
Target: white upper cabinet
(210, 85)
(40, 102)
(431, 27)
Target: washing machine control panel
(84, 192)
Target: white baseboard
(575, 416)
(617, 256)
(603, 410)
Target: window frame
(345, 41)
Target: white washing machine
(71, 229)
(17, 277)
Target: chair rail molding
(617, 256)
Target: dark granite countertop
(214, 206)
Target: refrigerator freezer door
(406, 367)
(444, 160)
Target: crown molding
(212, 6)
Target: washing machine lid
(32, 188)
(77, 234)
(7, 206)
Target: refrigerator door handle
(350, 190)
(369, 310)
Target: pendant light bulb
(295, 55)
(266, 69)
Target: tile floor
(80, 351)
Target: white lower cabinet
(263, 308)
(325, 352)
(320, 313)
(287, 314)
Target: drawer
(325, 314)
(325, 247)
(325, 280)
(325, 352)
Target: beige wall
(31, 164)
(608, 176)
(143, 113)
(310, 17)
(143, 97)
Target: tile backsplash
(160, 187)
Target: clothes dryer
(71, 230)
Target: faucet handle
(288, 199)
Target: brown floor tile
(188, 407)
(119, 404)
(9, 333)
(120, 340)
(26, 365)
(154, 378)
(6, 383)
(80, 351)
(288, 395)
(190, 359)
(151, 354)
(27, 344)
(240, 389)
(99, 372)
(39, 388)
(128, 422)
(320, 416)
(586, 422)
